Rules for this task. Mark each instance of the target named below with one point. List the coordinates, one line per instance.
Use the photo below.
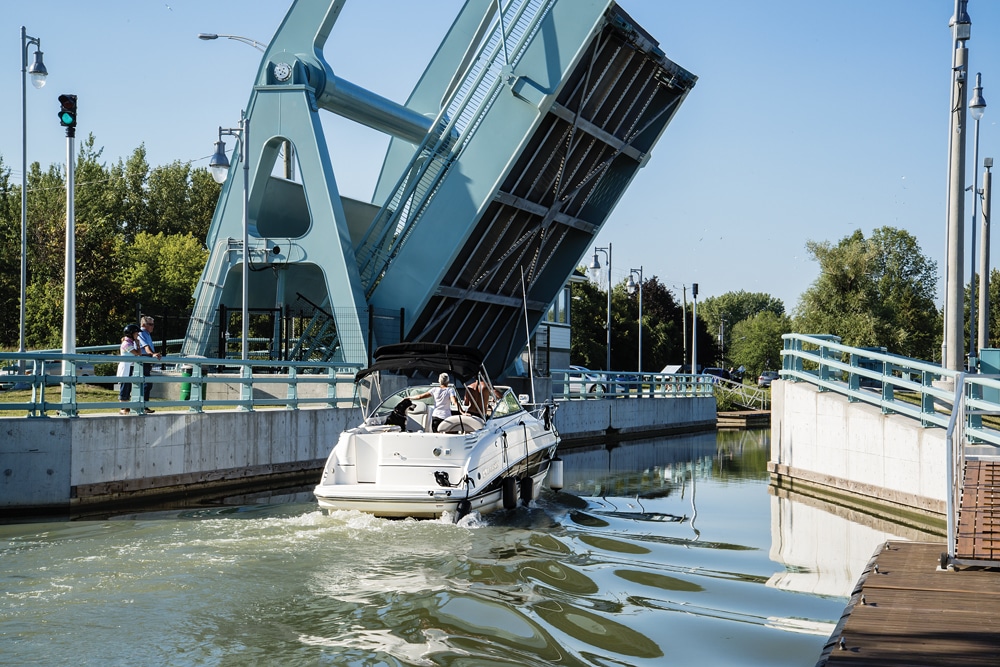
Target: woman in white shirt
(130, 345)
(444, 397)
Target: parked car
(721, 373)
(766, 377)
(585, 381)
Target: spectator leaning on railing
(147, 349)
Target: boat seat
(460, 424)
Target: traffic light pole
(69, 287)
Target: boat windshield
(506, 404)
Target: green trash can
(186, 386)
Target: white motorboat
(395, 465)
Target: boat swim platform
(906, 610)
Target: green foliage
(734, 307)
(162, 270)
(873, 292)
(662, 328)
(756, 342)
(139, 240)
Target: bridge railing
(896, 384)
(571, 384)
(54, 381)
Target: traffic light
(67, 114)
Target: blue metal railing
(573, 384)
(954, 400)
(54, 378)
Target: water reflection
(666, 549)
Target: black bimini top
(431, 358)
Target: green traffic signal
(67, 114)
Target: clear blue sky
(809, 119)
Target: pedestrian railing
(966, 405)
(568, 384)
(54, 380)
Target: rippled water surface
(668, 552)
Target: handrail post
(293, 389)
(246, 386)
(196, 385)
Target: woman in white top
(444, 396)
(130, 345)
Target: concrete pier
(95, 462)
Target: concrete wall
(823, 440)
(61, 464)
(589, 421)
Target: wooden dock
(906, 610)
(744, 419)
(978, 534)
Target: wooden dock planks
(978, 534)
(918, 614)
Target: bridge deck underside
(551, 205)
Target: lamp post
(694, 328)
(984, 257)
(977, 107)
(630, 287)
(722, 341)
(286, 146)
(954, 297)
(246, 40)
(595, 272)
(219, 165)
(38, 74)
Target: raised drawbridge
(525, 129)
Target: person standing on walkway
(147, 349)
(130, 345)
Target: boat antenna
(527, 333)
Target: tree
(662, 332)
(873, 292)
(732, 308)
(160, 272)
(756, 341)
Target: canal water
(663, 552)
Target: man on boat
(477, 398)
(444, 397)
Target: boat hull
(393, 474)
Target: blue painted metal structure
(524, 131)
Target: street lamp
(219, 166)
(38, 74)
(595, 272)
(630, 287)
(246, 40)
(952, 342)
(977, 107)
(722, 340)
(286, 146)
(694, 328)
(984, 257)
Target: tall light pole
(595, 272)
(38, 74)
(722, 341)
(977, 107)
(984, 257)
(286, 146)
(954, 299)
(630, 287)
(219, 165)
(694, 328)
